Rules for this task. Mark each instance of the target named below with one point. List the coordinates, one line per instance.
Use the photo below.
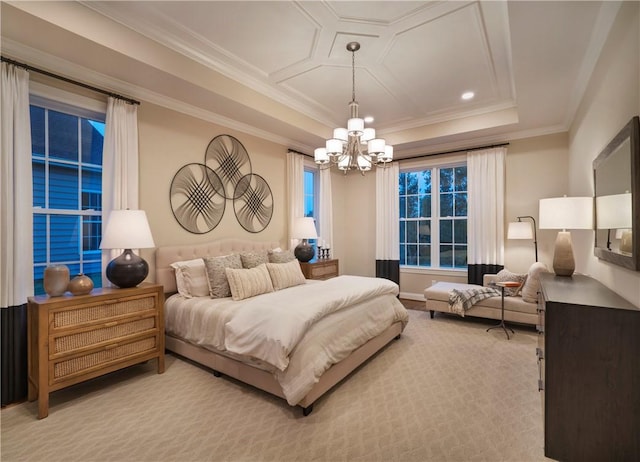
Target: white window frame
(417, 165)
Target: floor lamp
(522, 230)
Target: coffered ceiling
(280, 69)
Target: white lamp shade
(364, 163)
(613, 211)
(566, 213)
(519, 230)
(376, 146)
(334, 146)
(355, 126)
(368, 134)
(343, 162)
(127, 229)
(304, 228)
(341, 134)
(388, 154)
(320, 155)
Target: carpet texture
(446, 391)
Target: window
(433, 217)
(311, 184)
(67, 191)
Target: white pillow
(249, 282)
(280, 256)
(531, 285)
(191, 278)
(285, 275)
(507, 276)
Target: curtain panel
(486, 181)
(16, 230)
(295, 188)
(325, 204)
(387, 222)
(119, 166)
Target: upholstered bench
(516, 309)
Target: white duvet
(300, 331)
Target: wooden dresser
(320, 269)
(75, 338)
(589, 362)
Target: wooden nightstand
(320, 269)
(75, 338)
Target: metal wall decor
(199, 192)
(253, 203)
(195, 198)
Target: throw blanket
(461, 300)
(270, 326)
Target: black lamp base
(127, 270)
(303, 251)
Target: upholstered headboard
(169, 254)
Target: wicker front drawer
(98, 312)
(76, 338)
(110, 353)
(71, 342)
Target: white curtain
(295, 180)
(325, 204)
(387, 222)
(119, 165)
(16, 220)
(486, 180)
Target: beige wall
(535, 168)
(170, 140)
(611, 99)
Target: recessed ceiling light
(368, 119)
(468, 95)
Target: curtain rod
(428, 155)
(65, 79)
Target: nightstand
(76, 338)
(320, 269)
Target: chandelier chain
(353, 76)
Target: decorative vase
(56, 280)
(80, 285)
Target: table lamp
(127, 229)
(565, 213)
(304, 228)
(614, 212)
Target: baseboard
(412, 296)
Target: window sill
(433, 271)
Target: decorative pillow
(531, 286)
(245, 283)
(191, 278)
(218, 284)
(253, 259)
(285, 275)
(281, 256)
(507, 276)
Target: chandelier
(345, 149)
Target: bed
(343, 327)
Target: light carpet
(445, 391)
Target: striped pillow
(191, 278)
(285, 275)
(245, 283)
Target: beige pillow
(281, 256)
(245, 283)
(531, 286)
(285, 275)
(253, 259)
(218, 284)
(507, 276)
(191, 278)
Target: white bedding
(310, 325)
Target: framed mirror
(616, 173)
